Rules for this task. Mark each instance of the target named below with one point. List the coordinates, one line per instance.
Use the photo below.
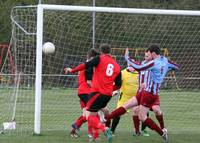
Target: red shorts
(147, 99)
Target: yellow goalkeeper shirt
(129, 83)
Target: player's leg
(143, 128)
(159, 115)
(97, 102)
(123, 109)
(121, 101)
(136, 121)
(148, 121)
(114, 124)
(82, 119)
(78, 123)
(76, 126)
(90, 130)
(94, 121)
(147, 100)
(105, 112)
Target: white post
(93, 25)
(38, 80)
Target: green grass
(122, 136)
(60, 108)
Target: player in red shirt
(84, 87)
(106, 78)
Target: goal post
(38, 80)
(70, 28)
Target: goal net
(71, 32)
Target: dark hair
(92, 53)
(105, 48)
(154, 48)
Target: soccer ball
(48, 48)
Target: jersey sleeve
(173, 66)
(92, 63)
(139, 67)
(118, 82)
(88, 73)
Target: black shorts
(83, 100)
(97, 101)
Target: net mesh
(71, 33)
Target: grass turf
(60, 108)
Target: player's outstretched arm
(91, 63)
(126, 53)
(173, 66)
(137, 66)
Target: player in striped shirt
(141, 85)
(144, 77)
(157, 68)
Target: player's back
(104, 75)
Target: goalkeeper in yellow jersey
(128, 89)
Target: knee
(157, 111)
(142, 117)
(105, 111)
(135, 111)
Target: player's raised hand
(67, 70)
(126, 52)
(130, 69)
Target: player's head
(147, 56)
(92, 53)
(154, 50)
(105, 49)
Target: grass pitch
(61, 107)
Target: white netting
(71, 33)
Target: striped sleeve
(139, 67)
(173, 66)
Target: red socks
(116, 113)
(160, 120)
(80, 121)
(95, 123)
(152, 125)
(95, 134)
(136, 122)
(90, 129)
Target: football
(48, 48)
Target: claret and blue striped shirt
(154, 72)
